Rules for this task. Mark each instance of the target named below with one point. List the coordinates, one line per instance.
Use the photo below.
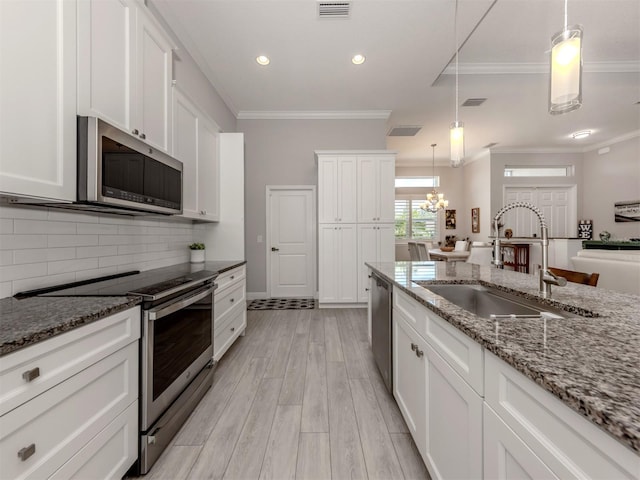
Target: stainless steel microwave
(117, 173)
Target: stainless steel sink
(492, 303)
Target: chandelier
(435, 201)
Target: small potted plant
(197, 252)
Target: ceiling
(409, 73)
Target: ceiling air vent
(334, 9)
(473, 102)
(490, 145)
(404, 131)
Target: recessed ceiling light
(263, 60)
(358, 59)
(581, 134)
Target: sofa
(619, 269)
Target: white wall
(280, 152)
(609, 178)
(477, 188)
(41, 247)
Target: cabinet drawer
(231, 297)
(109, 454)
(227, 278)
(569, 444)
(58, 423)
(462, 353)
(228, 331)
(62, 356)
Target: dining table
(454, 256)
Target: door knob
(274, 249)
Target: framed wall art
(475, 220)
(627, 211)
(450, 219)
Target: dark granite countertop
(589, 360)
(32, 320)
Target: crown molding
(538, 150)
(314, 115)
(538, 68)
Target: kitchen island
(588, 360)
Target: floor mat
(282, 304)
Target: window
(412, 182)
(537, 171)
(414, 223)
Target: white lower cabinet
(338, 271)
(442, 411)
(229, 310)
(83, 422)
(506, 456)
(376, 243)
(518, 431)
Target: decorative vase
(197, 256)
(605, 236)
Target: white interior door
(558, 205)
(290, 241)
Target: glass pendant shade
(435, 201)
(565, 83)
(456, 140)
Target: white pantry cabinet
(336, 189)
(376, 188)
(337, 266)
(195, 144)
(376, 243)
(38, 99)
(125, 69)
(442, 410)
(355, 187)
(230, 310)
(69, 404)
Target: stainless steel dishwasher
(381, 327)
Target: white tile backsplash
(40, 247)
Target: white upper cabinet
(38, 99)
(376, 188)
(336, 189)
(195, 144)
(125, 69)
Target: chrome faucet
(547, 278)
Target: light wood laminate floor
(298, 397)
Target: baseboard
(256, 295)
(342, 305)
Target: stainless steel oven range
(176, 346)
(176, 359)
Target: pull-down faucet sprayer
(546, 277)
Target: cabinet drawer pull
(233, 329)
(135, 131)
(414, 347)
(232, 277)
(143, 136)
(26, 452)
(232, 300)
(419, 353)
(31, 375)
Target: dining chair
(480, 255)
(576, 277)
(413, 252)
(461, 246)
(423, 252)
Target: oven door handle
(180, 303)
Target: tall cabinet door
(328, 286)
(346, 182)
(347, 267)
(327, 189)
(153, 82)
(208, 171)
(386, 189)
(38, 98)
(105, 60)
(368, 189)
(368, 251)
(185, 149)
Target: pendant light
(456, 130)
(435, 201)
(565, 82)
